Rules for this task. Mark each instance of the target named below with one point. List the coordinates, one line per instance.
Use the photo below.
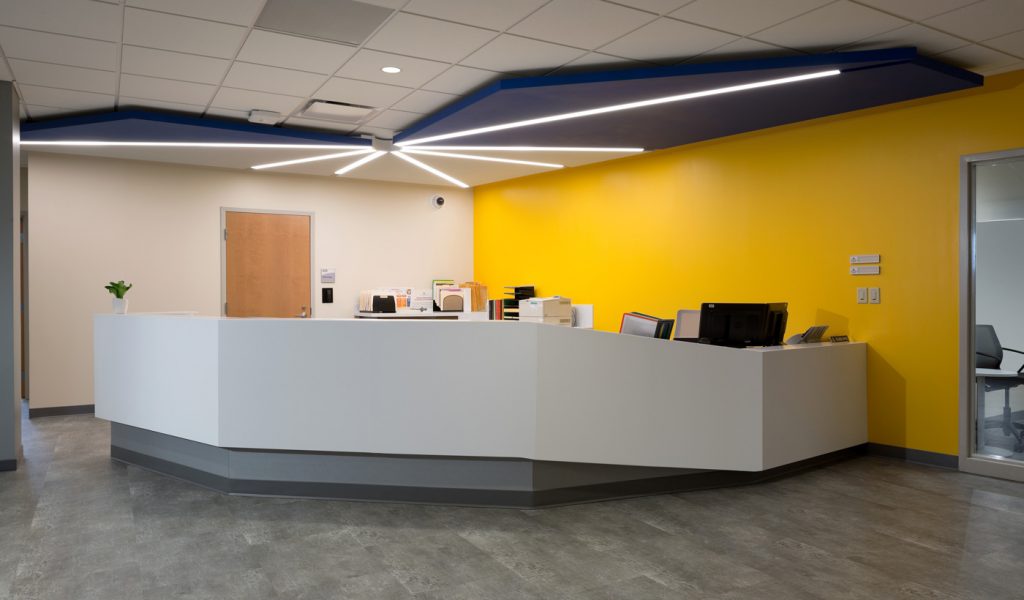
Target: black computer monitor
(742, 325)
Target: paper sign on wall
(327, 275)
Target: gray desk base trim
(502, 482)
(935, 459)
(9, 464)
(56, 411)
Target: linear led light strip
(410, 160)
(429, 169)
(437, 172)
(362, 161)
(527, 149)
(297, 161)
(484, 158)
(619, 107)
(190, 144)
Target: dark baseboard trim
(9, 464)
(478, 497)
(166, 467)
(691, 482)
(934, 459)
(56, 411)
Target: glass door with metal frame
(993, 326)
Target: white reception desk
(208, 394)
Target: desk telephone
(811, 336)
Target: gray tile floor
(75, 525)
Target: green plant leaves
(118, 288)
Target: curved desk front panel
(540, 403)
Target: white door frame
(981, 465)
(224, 251)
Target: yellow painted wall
(774, 216)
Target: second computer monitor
(741, 325)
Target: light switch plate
(865, 270)
(858, 259)
(862, 295)
(874, 296)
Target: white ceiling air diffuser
(342, 112)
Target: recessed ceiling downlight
(391, 70)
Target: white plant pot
(120, 306)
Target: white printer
(554, 311)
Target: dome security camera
(437, 201)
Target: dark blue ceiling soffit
(869, 78)
(143, 126)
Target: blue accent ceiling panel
(140, 126)
(869, 78)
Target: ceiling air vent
(342, 112)
(345, 21)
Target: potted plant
(119, 289)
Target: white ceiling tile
(982, 21)
(830, 27)
(422, 101)
(744, 16)
(61, 76)
(461, 80)
(595, 61)
(128, 103)
(394, 119)
(86, 19)
(182, 34)
(291, 52)
(172, 65)
(926, 39)
(742, 49)
(272, 79)
(661, 7)
(667, 40)
(169, 90)
(227, 113)
(367, 64)
(69, 99)
(246, 100)
(918, 10)
(5, 73)
(361, 92)
(513, 53)
(44, 112)
(492, 14)
(1012, 43)
(428, 38)
(1017, 66)
(60, 49)
(380, 132)
(239, 12)
(563, 22)
(977, 58)
(393, 4)
(318, 124)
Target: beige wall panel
(158, 226)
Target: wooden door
(267, 264)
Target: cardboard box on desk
(546, 307)
(478, 294)
(563, 321)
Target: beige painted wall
(157, 226)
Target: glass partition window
(999, 309)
